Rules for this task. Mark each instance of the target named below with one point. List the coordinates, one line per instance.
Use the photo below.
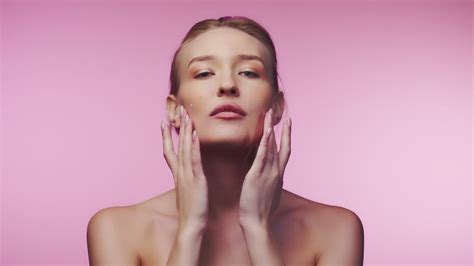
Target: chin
(224, 138)
(227, 138)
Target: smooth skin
(260, 192)
(237, 212)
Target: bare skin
(222, 210)
(305, 230)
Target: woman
(228, 206)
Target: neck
(225, 168)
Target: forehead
(224, 43)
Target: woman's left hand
(262, 187)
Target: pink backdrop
(380, 97)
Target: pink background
(379, 93)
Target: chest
(225, 248)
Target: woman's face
(225, 78)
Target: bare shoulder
(162, 204)
(158, 226)
(157, 212)
(111, 236)
(133, 226)
(116, 219)
(329, 227)
(331, 216)
(324, 214)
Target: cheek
(259, 100)
(195, 104)
(255, 122)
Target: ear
(278, 107)
(172, 111)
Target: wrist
(254, 226)
(256, 234)
(191, 230)
(253, 223)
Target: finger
(187, 144)
(285, 145)
(181, 139)
(263, 146)
(271, 155)
(274, 151)
(168, 149)
(198, 172)
(271, 146)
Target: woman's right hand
(189, 179)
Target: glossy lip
(228, 109)
(227, 115)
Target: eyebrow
(239, 57)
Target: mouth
(228, 111)
(228, 115)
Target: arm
(186, 247)
(105, 244)
(191, 190)
(346, 246)
(261, 245)
(261, 193)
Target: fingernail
(269, 131)
(194, 135)
(187, 119)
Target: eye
(249, 74)
(202, 75)
(252, 74)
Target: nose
(228, 87)
(233, 91)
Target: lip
(228, 110)
(228, 115)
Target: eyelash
(198, 76)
